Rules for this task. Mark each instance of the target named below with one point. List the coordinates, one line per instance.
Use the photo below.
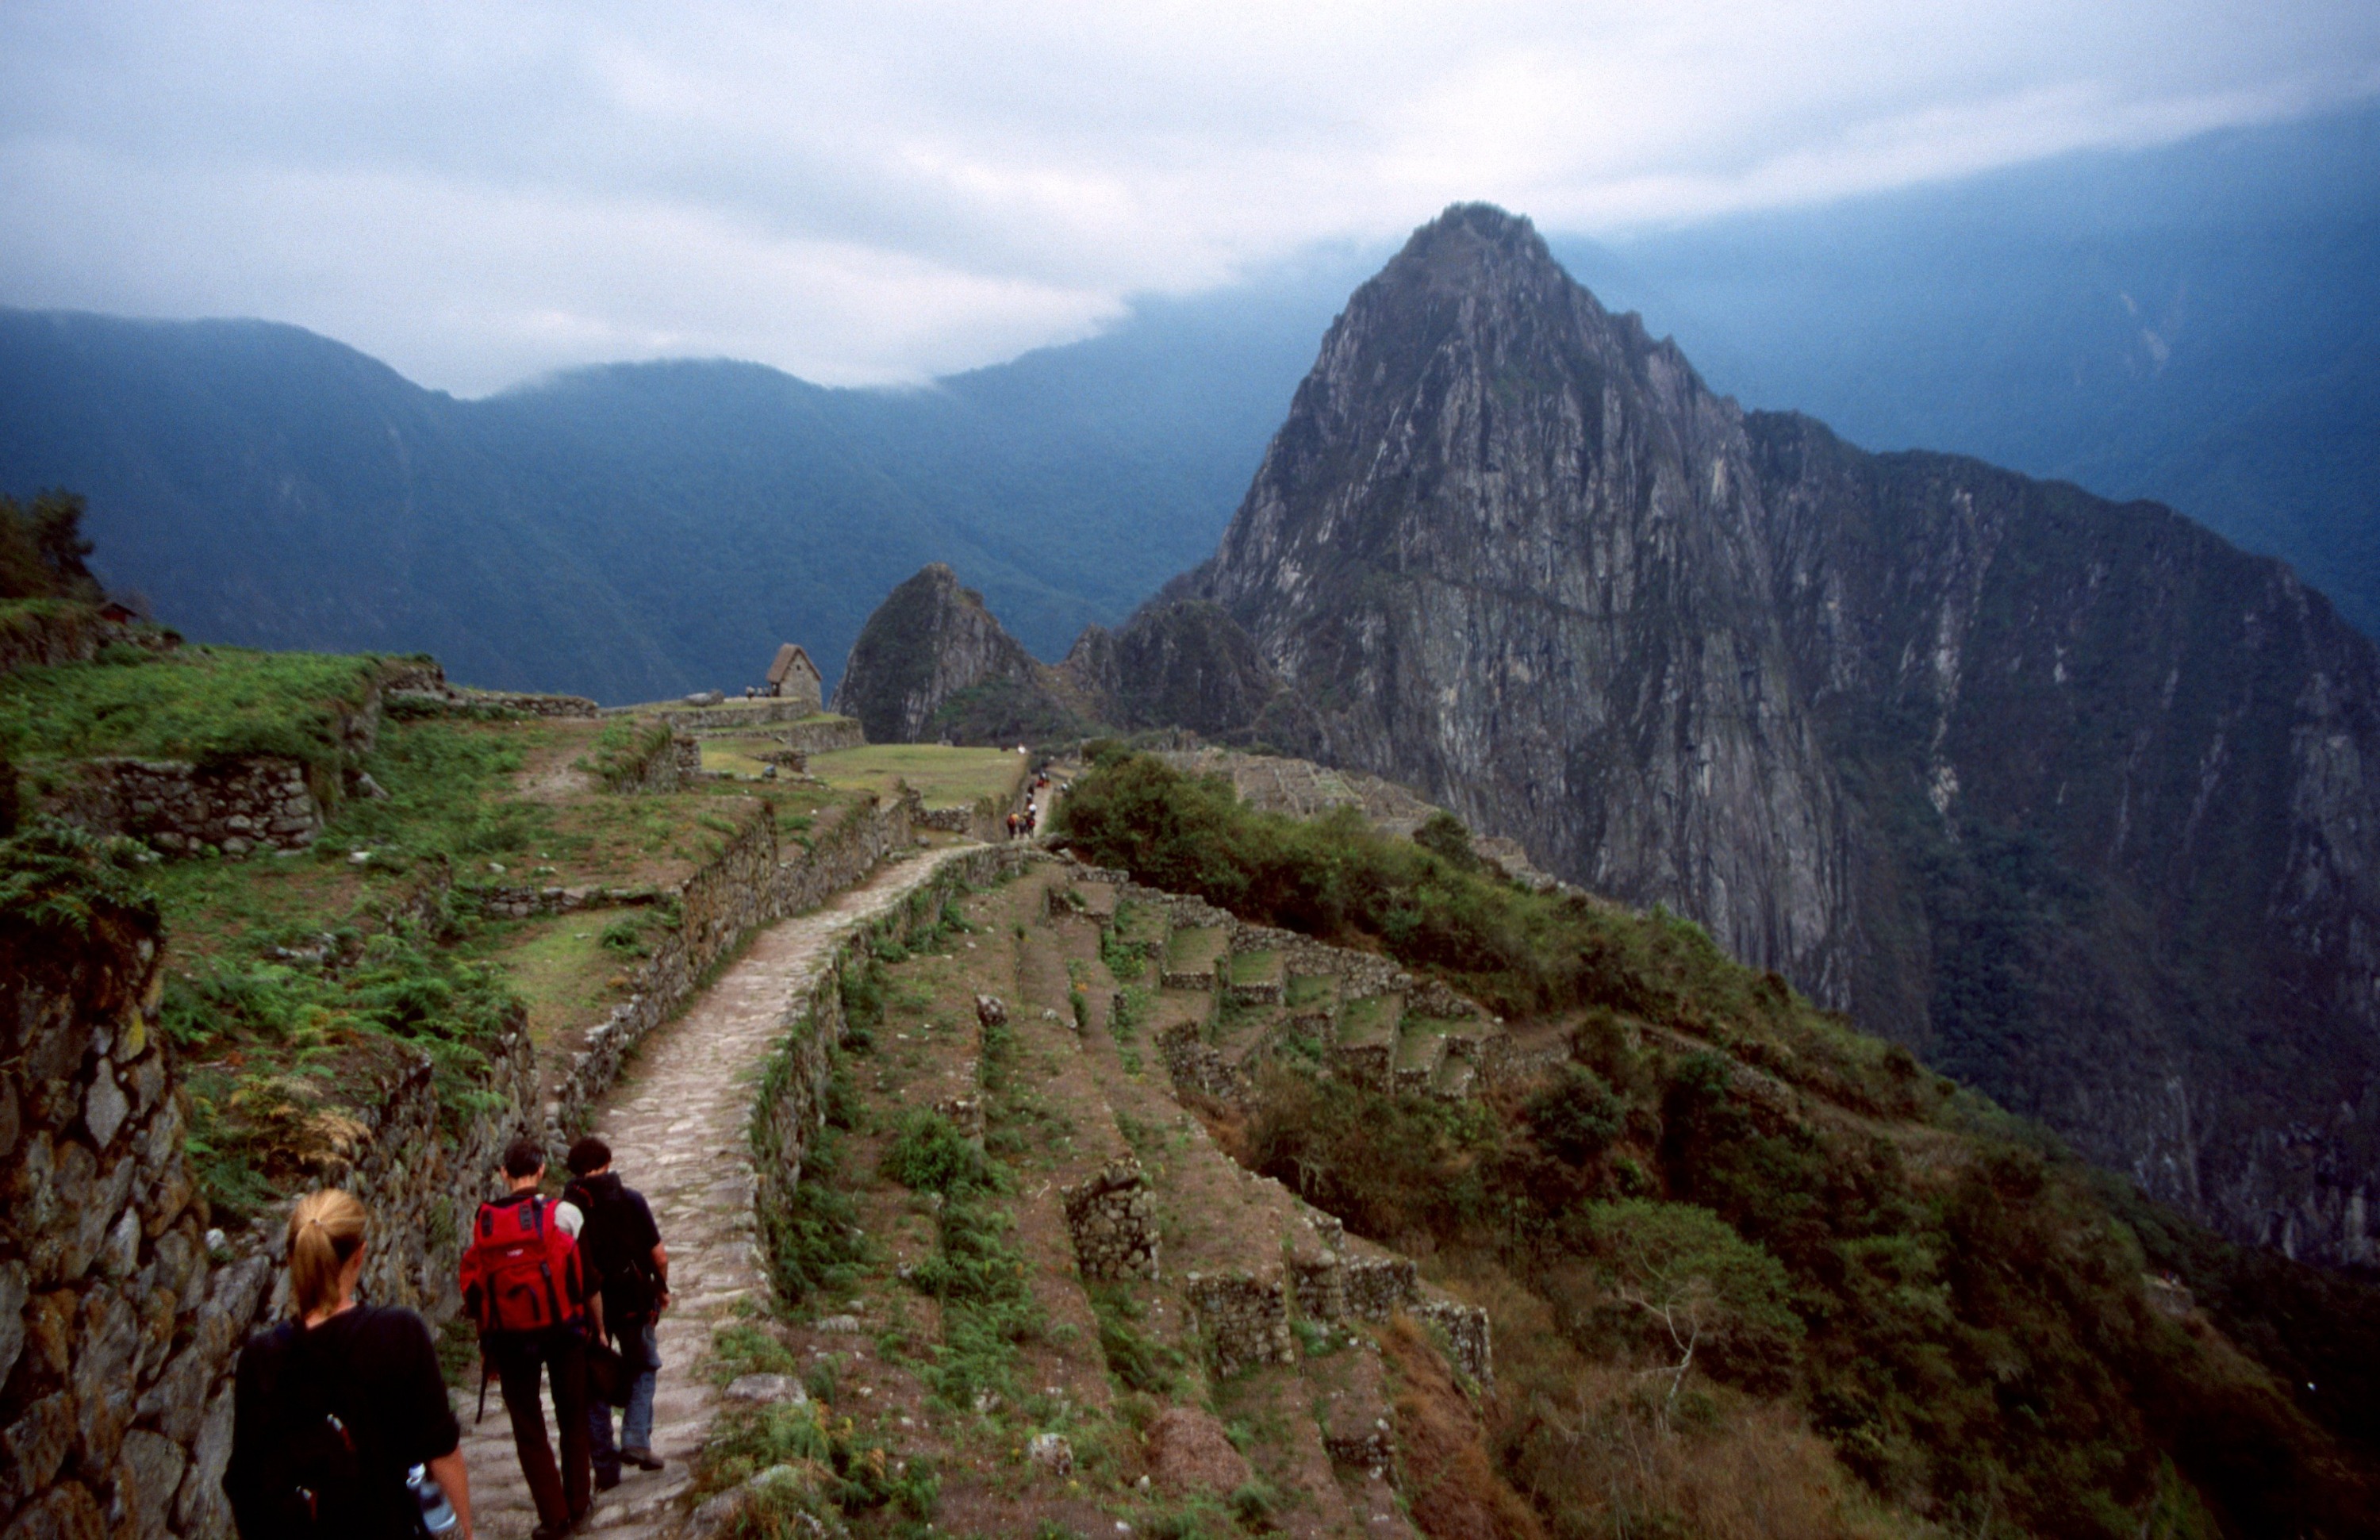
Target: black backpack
(312, 1476)
(628, 1285)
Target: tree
(41, 549)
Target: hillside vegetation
(1734, 1249)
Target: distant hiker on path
(523, 1283)
(336, 1407)
(623, 1246)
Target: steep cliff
(2068, 795)
(933, 664)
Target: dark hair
(589, 1154)
(524, 1157)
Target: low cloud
(883, 193)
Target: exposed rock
(931, 661)
(767, 1388)
(1050, 1453)
(2067, 795)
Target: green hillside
(1731, 1243)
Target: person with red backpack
(523, 1283)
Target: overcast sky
(478, 193)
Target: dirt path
(678, 1123)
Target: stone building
(793, 677)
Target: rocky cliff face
(930, 645)
(2068, 795)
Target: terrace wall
(121, 1313)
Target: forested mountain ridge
(625, 531)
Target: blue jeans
(637, 1418)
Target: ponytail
(326, 1229)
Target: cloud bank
(880, 193)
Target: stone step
(1421, 1049)
(1456, 1079)
(1366, 1046)
(1197, 956)
(1256, 978)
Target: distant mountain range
(2195, 324)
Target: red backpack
(521, 1273)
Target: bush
(932, 1156)
(1576, 1118)
(1676, 1276)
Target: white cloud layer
(480, 192)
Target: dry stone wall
(1244, 1320)
(751, 882)
(121, 1312)
(790, 1107)
(419, 687)
(1466, 1332)
(1113, 1217)
(260, 802)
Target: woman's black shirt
(381, 1374)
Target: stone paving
(677, 1124)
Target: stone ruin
(1466, 1332)
(1113, 1216)
(1332, 1288)
(1244, 1320)
(262, 802)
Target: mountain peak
(1471, 244)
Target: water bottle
(437, 1514)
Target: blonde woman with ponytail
(333, 1406)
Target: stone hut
(793, 677)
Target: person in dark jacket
(552, 1344)
(332, 1407)
(623, 1247)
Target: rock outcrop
(931, 663)
(2067, 794)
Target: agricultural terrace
(943, 777)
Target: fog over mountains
(2194, 324)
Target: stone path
(676, 1123)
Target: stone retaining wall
(520, 904)
(119, 1331)
(791, 1106)
(234, 807)
(749, 883)
(1466, 1331)
(1243, 1319)
(824, 737)
(1195, 1063)
(418, 688)
(1113, 1217)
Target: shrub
(932, 1156)
(1577, 1117)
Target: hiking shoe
(552, 1532)
(643, 1459)
(606, 1480)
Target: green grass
(198, 703)
(1370, 1020)
(625, 748)
(1309, 990)
(562, 966)
(1195, 949)
(943, 777)
(1256, 967)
